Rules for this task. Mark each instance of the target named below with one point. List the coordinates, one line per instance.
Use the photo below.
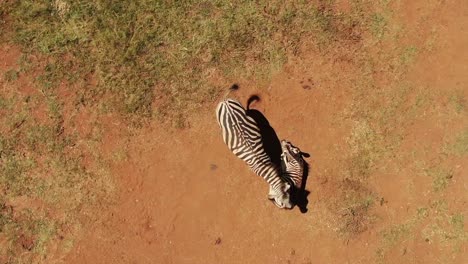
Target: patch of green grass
(52, 74)
(441, 177)
(120, 155)
(379, 118)
(3, 102)
(422, 212)
(364, 153)
(128, 54)
(395, 234)
(378, 25)
(11, 75)
(447, 228)
(458, 223)
(33, 233)
(460, 146)
(44, 231)
(423, 98)
(458, 101)
(392, 237)
(432, 223)
(408, 55)
(383, 103)
(42, 172)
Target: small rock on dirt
(213, 167)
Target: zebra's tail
(233, 87)
(252, 98)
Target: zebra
(292, 164)
(295, 170)
(242, 136)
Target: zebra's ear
(287, 186)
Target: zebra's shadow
(272, 146)
(270, 140)
(299, 196)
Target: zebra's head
(281, 197)
(290, 152)
(292, 163)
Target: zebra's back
(242, 136)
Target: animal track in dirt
(307, 84)
(213, 167)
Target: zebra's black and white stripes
(292, 164)
(242, 136)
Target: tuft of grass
(354, 204)
(378, 25)
(422, 212)
(458, 101)
(441, 177)
(408, 55)
(43, 231)
(446, 227)
(363, 149)
(392, 237)
(458, 222)
(460, 146)
(356, 217)
(395, 234)
(11, 75)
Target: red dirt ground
(184, 198)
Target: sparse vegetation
(460, 146)
(11, 75)
(138, 53)
(385, 104)
(446, 227)
(440, 176)
(158, 61)
(41, 170)
(364, 153)
(431, 223)
(140, 59)
(458, 100)
(378, 25)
